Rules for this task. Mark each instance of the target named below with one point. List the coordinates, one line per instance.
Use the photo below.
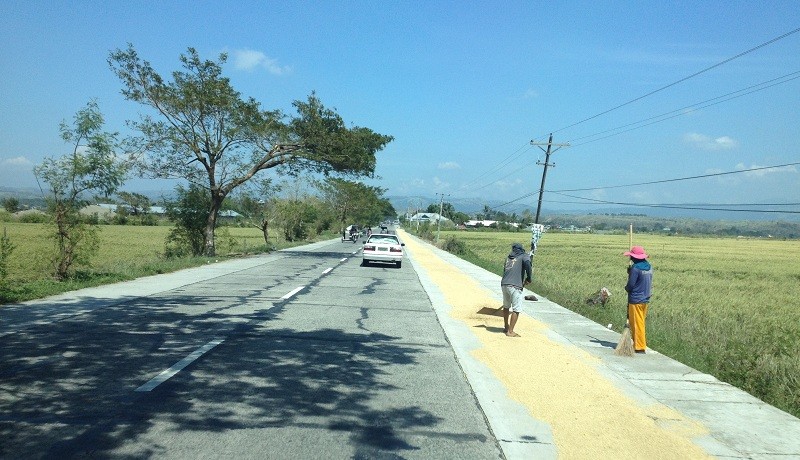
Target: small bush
(34, 218)
(425, 232)
(454, 245)
(6, 248)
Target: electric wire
(658, 118)
(716, 207)
(688, 109)
(504, 163)
(702, 176)
(663, 181)
(755, 48)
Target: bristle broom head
(625, 345)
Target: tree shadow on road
(62, 397)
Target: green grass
(125, 253)
(727, 307)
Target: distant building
(106, 210)
(479, 223)
(422, 217)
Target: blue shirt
(640, 282)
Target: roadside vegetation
(724, 306)
(124, 253)
(221, 147)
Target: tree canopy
(355, 202)
(204, 131)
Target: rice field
(728, 307)
(125, 252)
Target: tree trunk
(64, 260)
(265, 230)
(211, 224)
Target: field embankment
(724, 306)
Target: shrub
(34, 217)
(190, 213)
(454, 245)
(11, 204)
(6, 248)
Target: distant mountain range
(33, 197)
(475, 205)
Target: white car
(382, 247)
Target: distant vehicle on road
(350, 233)
(382, 247)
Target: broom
(625, 345)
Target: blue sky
(462, 86)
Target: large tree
(355, 202)
(205, 132)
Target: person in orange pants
(639, 288)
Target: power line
(769, 42)
(702, 176)
(505, 162)
(515, 171)
(691, 108)
(527, 195)
(689, 207)
(683, 204)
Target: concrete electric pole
(546, 163)
(439, 220)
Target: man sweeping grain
(640, 282)
(516, 274)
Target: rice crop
(724, 306)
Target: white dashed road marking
(291, 294)
(177, 367)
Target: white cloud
(737, 179)
(411, 186)
(600, 194)
(249, 60)
(764, 172)
(530, 94)
(449, 165)
(17, 161)
(642, 197)
(440, 184)
(508, 184)
(703, 142)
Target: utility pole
(439, 220)
(546, 163)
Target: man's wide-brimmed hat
(637, 252)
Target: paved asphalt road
(306, 354)
(298, 354)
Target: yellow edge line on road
(560, 385)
